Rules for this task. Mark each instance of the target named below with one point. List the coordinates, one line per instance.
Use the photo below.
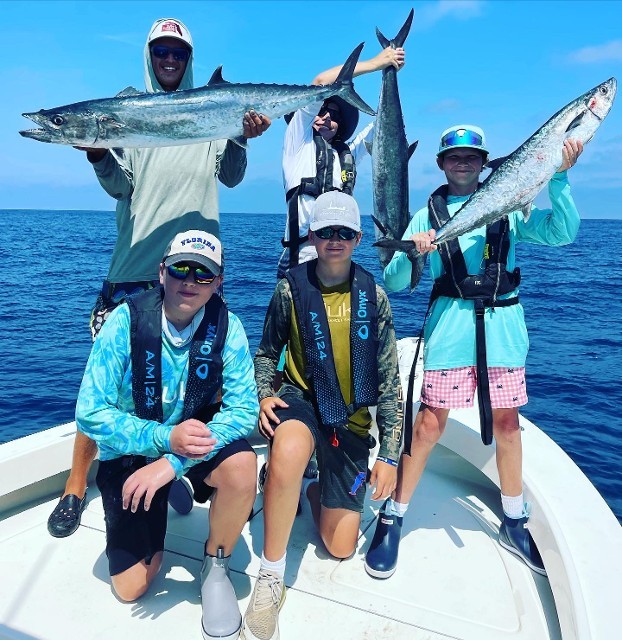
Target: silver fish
(213, 112)
(390, 154)
(518, 178)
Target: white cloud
(448, 105)
(607, 52)
(431, 13)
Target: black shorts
(342, 464)
(133, 537)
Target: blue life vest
(314, 330)
(205, 358)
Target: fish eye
(58, 120)
(603, 89)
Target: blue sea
(52, 264)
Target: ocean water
(53, 262)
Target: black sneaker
(515, 537)
(381, 558)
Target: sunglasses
(327, 233)
(461, 136)
(180, 54)
(334, 113)
(182, 271)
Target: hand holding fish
(424, 241)
(254, 124)
(145, 482)
(390, 57)
(93, 155)
(570, 154)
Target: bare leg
(291, 449)
(509, 450)
(235, 481)
(84, 452)
(339, 529)
(132, 583)
(428, 428)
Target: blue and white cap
(195, 246)
(466, 136)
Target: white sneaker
(261, 621)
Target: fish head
(69, 126)
(600, 99)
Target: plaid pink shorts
(455, 388)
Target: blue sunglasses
(179, 53)
(461, 137)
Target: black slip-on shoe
(181, 496)
(65, 518)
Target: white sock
(513, 506)
(395, 508)
(277, 567)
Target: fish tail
(345, 88)
(400, 38)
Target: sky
(506, 66)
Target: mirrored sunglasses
(461, 136)
(182, 271)
(327, 233)
(180, 54)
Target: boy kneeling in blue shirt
(168, 391)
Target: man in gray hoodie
(159, 192)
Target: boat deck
(450, 573)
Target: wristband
(383, 459)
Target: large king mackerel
(518, 178)
(390, 154)
(212, 112)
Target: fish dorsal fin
(576, 122)
(127, 92)
(411, 148)
(496, 163)
(217, 77)
(526, 211)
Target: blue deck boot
(221, 618)
(515, 537)
(381, 559)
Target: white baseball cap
(170, 28)
(195, 246)
(335, 208)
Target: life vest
(205, 358)
(483, 289)
(320, 364)
(316, 185)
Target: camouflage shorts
(110, 297)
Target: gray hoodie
(163, 191)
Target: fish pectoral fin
(526, 211)
(369, 146)
(576, 122)
(241, 141)
(128, 92)
(495, 163)
(217, 77)
(411, 148)
(416, 269)
(381, 227)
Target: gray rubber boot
(221, 614)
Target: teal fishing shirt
(105, 409)
(450, 330)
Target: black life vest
(205, 358)
(483, 289)
(314, 330)
(316, 185)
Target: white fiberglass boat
(453, 579)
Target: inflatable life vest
(483, 289)
(205, 358)
(314, 330)
(320, 183)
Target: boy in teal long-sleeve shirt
(451, 372)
